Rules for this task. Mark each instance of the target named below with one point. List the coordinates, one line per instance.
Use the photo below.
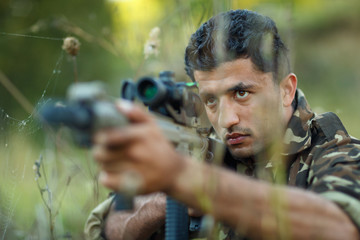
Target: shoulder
(328, 132)
(335, 167)
(335, 154)
(332, 145)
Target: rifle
(177, 109)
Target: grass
(24, 214)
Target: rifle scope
(156, 93)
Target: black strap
(330, 124)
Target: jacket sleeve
(94, 226)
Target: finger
(129, 181)
(133, 112)
(192, 212)
(119, 137)
(102, 153)
(112, 138)
(114, 167)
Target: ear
(288, 89)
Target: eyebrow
(240, 87)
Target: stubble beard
(239, 152)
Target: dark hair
(237, 34)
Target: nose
(227, 114)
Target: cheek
(213, 119)
(266, 116)
(211, 116)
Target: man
(252, 101)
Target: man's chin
(245, 151)
(241, 152)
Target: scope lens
(149, 91)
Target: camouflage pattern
(325, 158)
(319, 156)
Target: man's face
(243, 105)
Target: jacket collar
(297, 136)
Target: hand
(136, 158)
(195, 212)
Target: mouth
(236, 138)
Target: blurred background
(48, 186)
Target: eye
(210, 102)
(240, 94)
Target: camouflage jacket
(326, 159)
(319, 156)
